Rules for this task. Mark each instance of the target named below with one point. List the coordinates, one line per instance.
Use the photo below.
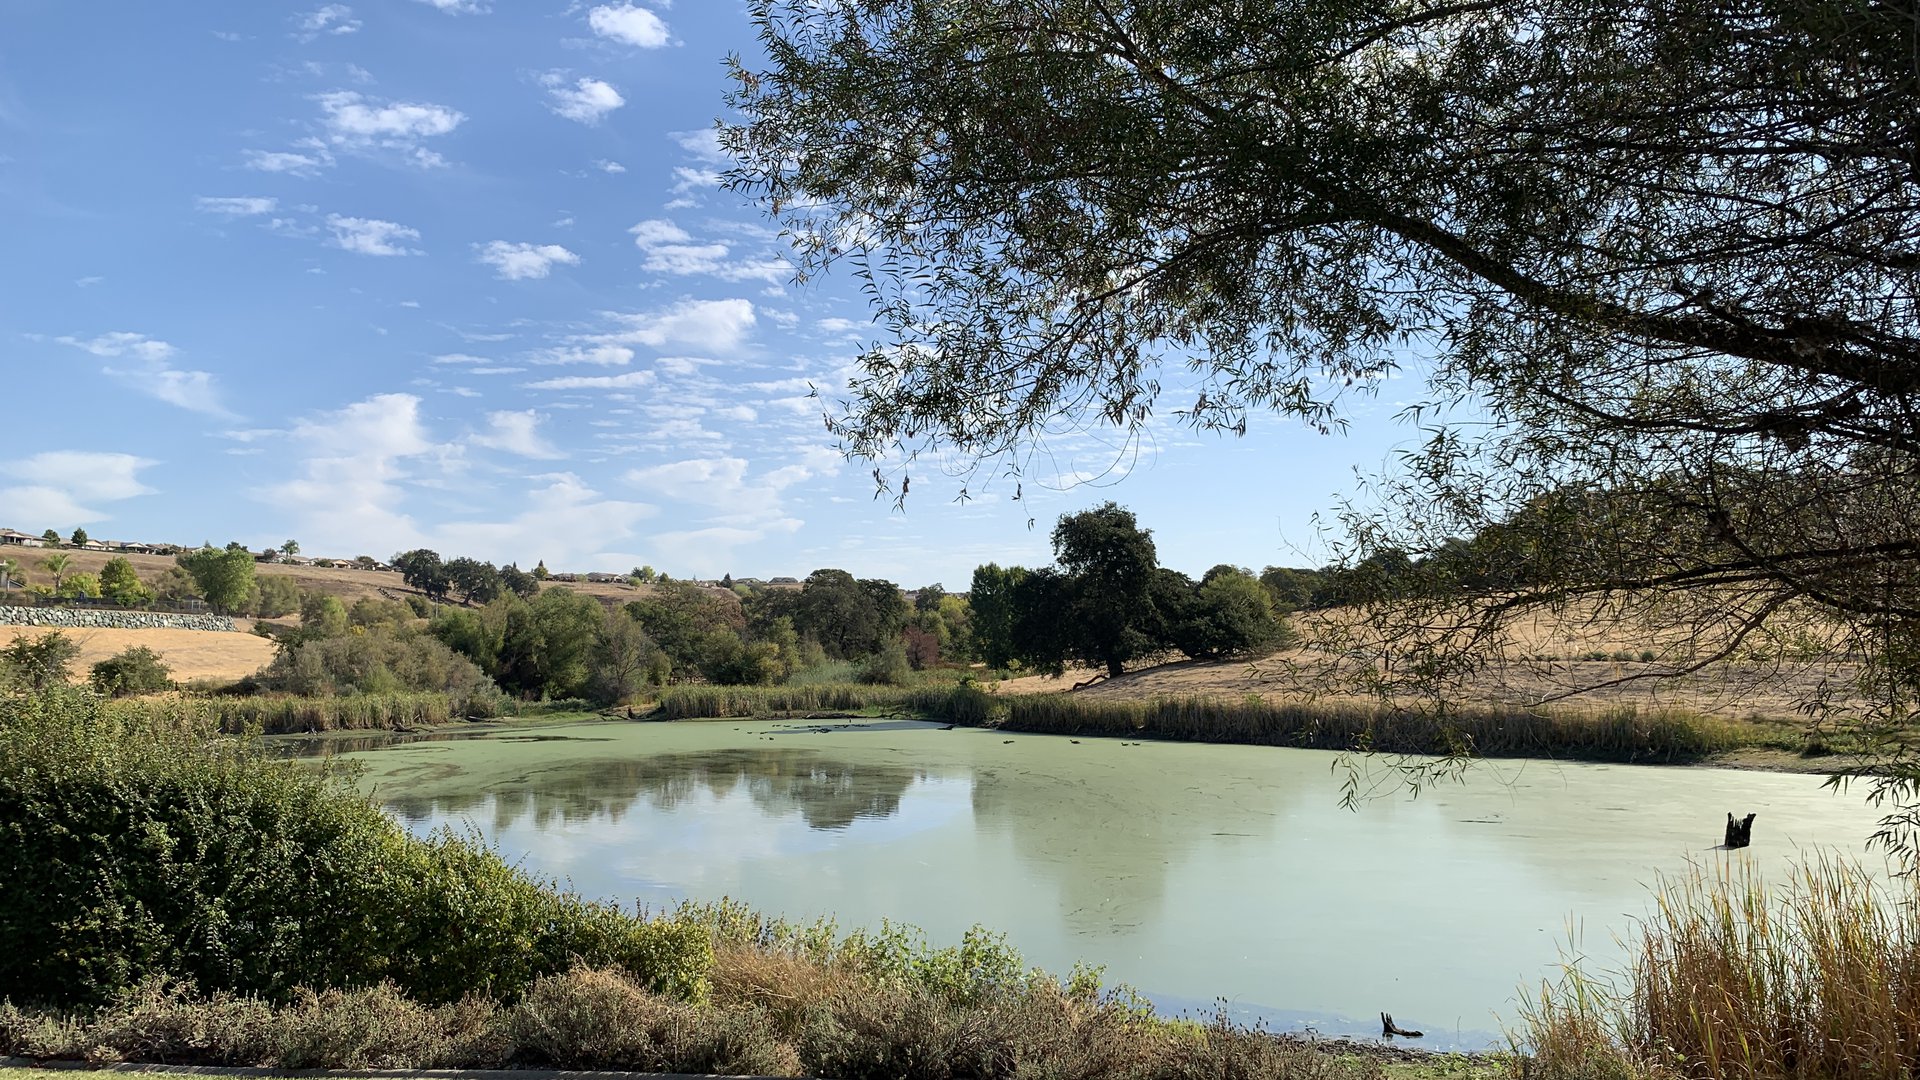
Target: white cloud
(358, 124)
(517, 433)
(53, 486)
(460, 358)
(630, 380)
(153, 376)
(565, 522)
(517, 262)
(587, 100)
(236, 205)
(670, 249)
(371, 236)
(708, 325)
(606, 166)
(123, 343)
(328, 19)
(458, 7)
(628, 25)
(703, 143)
(278, 161)
(358, 469)
(603, 355)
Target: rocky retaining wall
(58, 618)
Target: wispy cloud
(610, 167)
(285, 161)
(670, 249)
(631, 380)
(458, 7)
(329, 19)
(586, 100)
(707, 325)
(354, 123)
(517, 433)
(602, 355)
(236, 205)
(518, 262)
(371, 236)
(152, 372)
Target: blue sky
(458, 274)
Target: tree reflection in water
(827, 793)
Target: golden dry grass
(1771, 690)
(192, 654)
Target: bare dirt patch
(192, 654)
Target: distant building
(8, 536)
(783, 581)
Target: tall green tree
(422, 569)
(79, 537)
(992, 602)
(1108, 560)
(223, 576)
(290, 548)
(10, 574)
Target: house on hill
(8, 536)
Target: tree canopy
(1660, 265)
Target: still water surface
(1191, 872)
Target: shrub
(888, 667)
(599, 1019)
(138, 670)
(38, 663)
(138, 847)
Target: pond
(1192, 872)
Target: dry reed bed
(1814, 979)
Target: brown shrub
(600, 1019)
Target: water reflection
(828, 794)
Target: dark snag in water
(1389, 1029)
(1739, 833)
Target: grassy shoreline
(1624, 733)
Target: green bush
(132, 849)
(138, 670)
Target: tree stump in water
(1389, 1029)
(1739, 833)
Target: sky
(460, 274)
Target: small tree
(51, 537)
(81, 585)
(58, 566)
(120, 584)
(10, 575)
(540, 572)
(138, 670)
(290, 548)
(224, 577)
(79, 537)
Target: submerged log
(1389, 1029)
(1739, 833)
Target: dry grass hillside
(348, 585)
(192, 654)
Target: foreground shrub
(131, 850)
(589, 1019)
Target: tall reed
(271, 714)
(1620, 733)
(1816, 977)
(713, 702)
